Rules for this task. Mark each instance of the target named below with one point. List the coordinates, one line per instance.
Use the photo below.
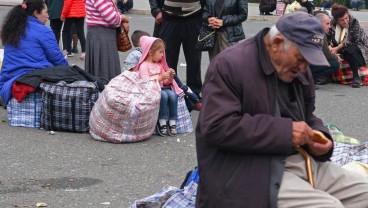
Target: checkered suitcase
(26, 113)
(67, 107)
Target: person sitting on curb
(322, 74)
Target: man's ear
(277, 42)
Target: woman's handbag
(122, 40)
(206, 38)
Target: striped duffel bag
(127, 109)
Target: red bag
(344, 75)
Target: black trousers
(354, 56)
(67, 32)
(183, 31)
(56, 25)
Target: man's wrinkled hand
(318, 149)
(302, 133)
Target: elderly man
(321, 74)
(258, 103)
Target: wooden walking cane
(318, 137)
(308, 165)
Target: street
(73, 170)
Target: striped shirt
(102, 13)
(181, 8)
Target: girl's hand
(172, 72)
(165, 75)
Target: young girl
(152, 65)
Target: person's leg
(350, 188)
(173, 104)
(79, 26)
(168, 32)
(173, 110)
(128, 5)
(67, 32)
(295, 191)
(190, 30)
(334, 186)
(163, 112)
(355, 58)
(56, 25)
(74, 39)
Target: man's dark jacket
(241, 146)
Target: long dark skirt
(102, 56)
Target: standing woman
(349, 40)
(102, 56)
(28, 44)
(74, 12)
(227, 18)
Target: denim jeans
(325, 4)
(168, 105)
(325, 70)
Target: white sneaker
(82, 56)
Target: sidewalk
(142, 7)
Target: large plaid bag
(66, 107)
(127, 109)
(26, 113)
(344, 75)
(184, 121)
(346, 153)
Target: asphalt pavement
(73, 170)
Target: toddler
(152, 65)
(134, 56)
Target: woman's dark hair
(15, 22)
(338, 11)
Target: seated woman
(349, 40)
(28, 44)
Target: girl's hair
(157, 44)
(338, 11)
(15, 22)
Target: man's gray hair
(274, 32)
(321, 16)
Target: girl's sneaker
(172, 130)
(161, 130)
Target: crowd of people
(241, 135)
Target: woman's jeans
(168, 104)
